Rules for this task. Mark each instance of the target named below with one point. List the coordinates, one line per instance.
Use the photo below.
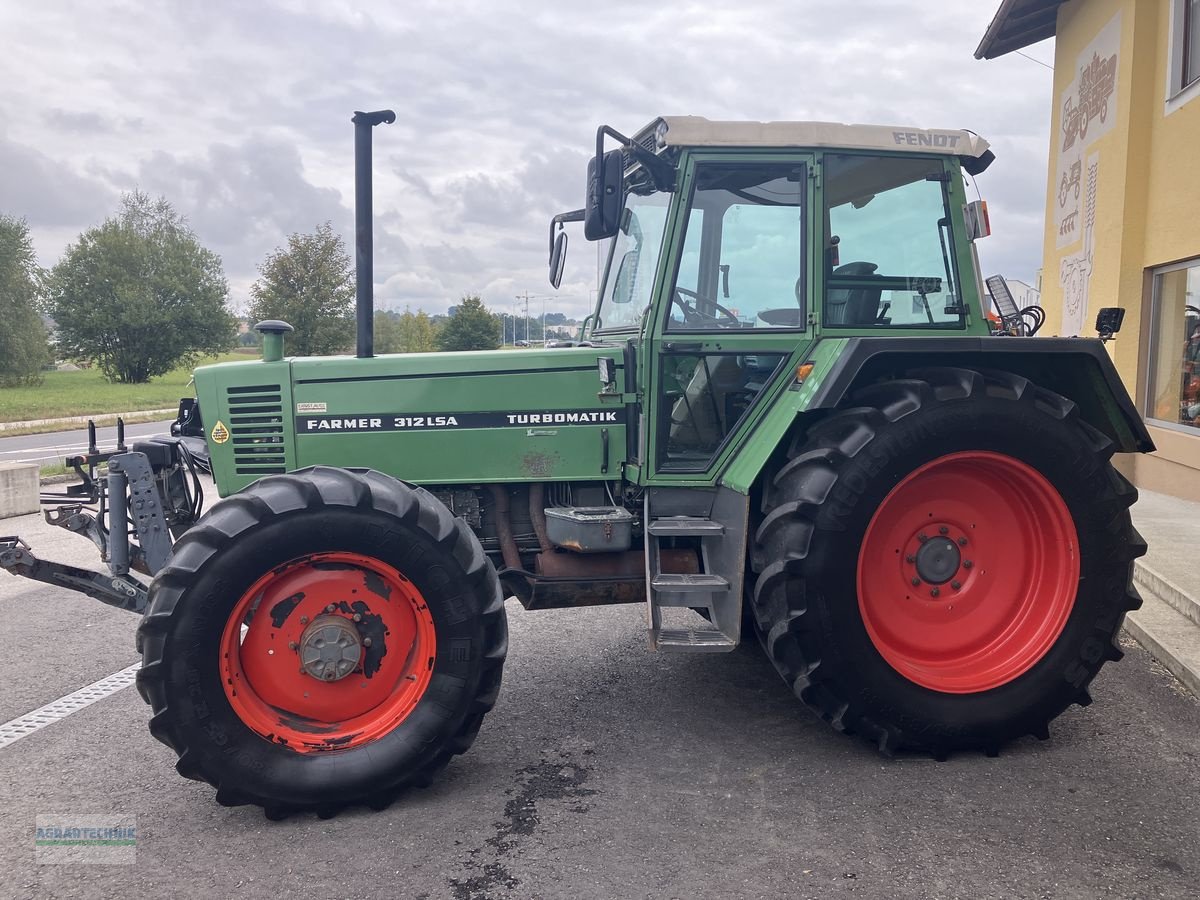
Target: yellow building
(1123, 192)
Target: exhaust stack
(364, 256)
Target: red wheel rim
(288, 662)
(968, 572)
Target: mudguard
(1078, 368)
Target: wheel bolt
(304, 620)
(943, 530)
(916, 582)
(922, 537)
(934, 592)
(956, 584)
(330, 608)
(366, 642)
(910, 558)
(292, 645)
(967, 564)
(358, 617)
(962, 542)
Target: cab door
(733, 312)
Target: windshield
(633, 261)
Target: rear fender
(1078, 368)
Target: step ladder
(719, 595)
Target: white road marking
(25, 725)
(26, 450)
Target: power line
(1031, 59)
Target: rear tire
(1024, 571)
(364, 559)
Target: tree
(387, 331)
(404, 333)
(471, 327)
(310, 285)
(23, 347)
(140, 295)
(418, 333)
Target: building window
(1174, 385)
(1191, 43)
(1183, 62)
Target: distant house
(1121, 198)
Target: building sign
(1088, 111)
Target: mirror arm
(661, 171)
(575, 215)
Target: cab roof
(697, 131)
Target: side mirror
(602, 206)
(558, 258)
(1108, 322)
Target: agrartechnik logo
(87, 840)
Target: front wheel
(945, 564)
(322, 639)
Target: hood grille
(256, 429)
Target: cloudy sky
(238, 112)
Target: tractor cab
(735, 247)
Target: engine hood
(504, 415)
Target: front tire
(945, 564)
(322, 639)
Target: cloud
(239, 114)
(46, 191)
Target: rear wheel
(945, 564)
(322, 639)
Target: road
(607, 771)
(50, 448)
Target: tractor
(784, 421)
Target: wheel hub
(938, 560)
(330, 648)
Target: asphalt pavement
(609, 771)
(52, 447)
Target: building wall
(1137, 217)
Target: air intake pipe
(364, 256)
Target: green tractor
(785, 419)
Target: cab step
(695, 640)
(703, 610)
(688, 584)
(685, 526)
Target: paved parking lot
(609, 771)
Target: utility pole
(524, 297)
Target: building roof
(697, 131)
(1017, 24)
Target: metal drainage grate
(27, 724)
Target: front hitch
(142, 502)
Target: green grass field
(87, 392)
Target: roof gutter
(1017, 24)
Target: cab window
(742, 265)
(888, 245)
(633, 261)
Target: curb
(1165, 626)
(1175, 596)
(98, 418)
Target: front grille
(256, 429)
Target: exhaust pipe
(364, 255)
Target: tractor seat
(853, 306)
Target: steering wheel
(693, 316)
